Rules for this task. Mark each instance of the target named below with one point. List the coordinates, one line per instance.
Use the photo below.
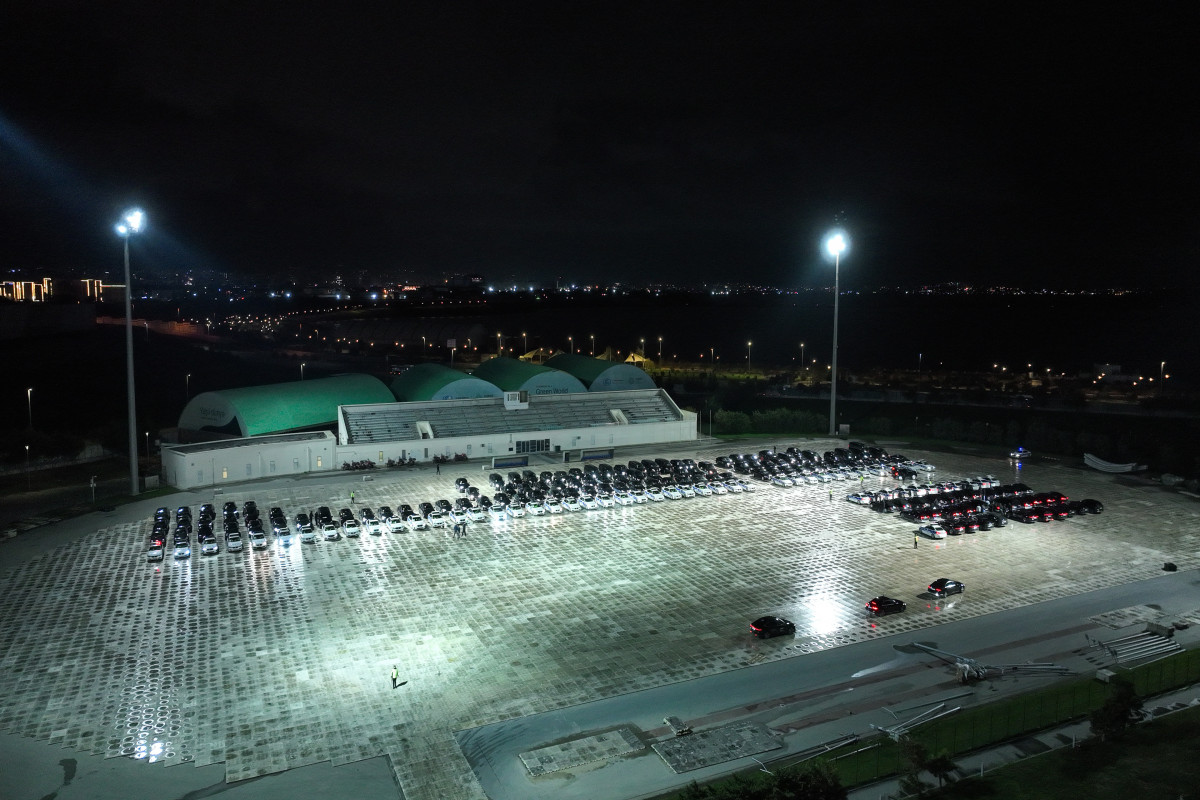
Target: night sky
(988, 143)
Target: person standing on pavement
(351, 497)
(395, 676)
(914, 541)
(437, 468)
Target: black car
(461, 484)
(944, 587)
(1092, 506)
(766, 627)
(345, 514)
(885, 605)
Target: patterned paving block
(1133, 615)
(717, 745)
(265, 660)
(584, 750)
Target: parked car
(331, 532)
(934, 530)
(233, 541)
(155, 553)
(209, 546)
(883, 604)
(943, 587)
(308, 535)
(258, 540)
(766, 627)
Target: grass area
(1003, 721)
(1157, 759)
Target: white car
(687, 491)
(746, 487)
(933, 530)
(535, 508)
(331, 532)
(459, 515)
(374, 527)
(416, 522)
(735, 487)
(654, 493)
(476, 514)
(209, 547)
(605, 500)
(395, 525)
(672, 492)
(436, 519)
(703, 489)
(182, 552)
(718, 488)
(258, 540)
(233, 542)
(624, 498)
(553, 505)
(517, 509)
(571, 504)
(308, 535)
(351, 528)
(588, 502)
(154, 554)
(859, 499)
(497, 512)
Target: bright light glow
(132, 221)
(836, 243)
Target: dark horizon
(606, 142)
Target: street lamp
(187, 386)
(835, 244)
(147, 451)
(302, 364)
(571, 344)
(499, 346)
(660, 350)
(525, 341)
(29, 401)
(1161, 367)
(28, 480)
(802, 355)
(643, 340)
(132, 221)
(748, 355)
(593, 345)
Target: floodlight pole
(127, 229)
(835, 244)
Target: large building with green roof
(279, 407)
(599, 375)
(512, 375)
(438, 382)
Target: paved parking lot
(267, 661)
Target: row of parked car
(972, 504)
(793, 466)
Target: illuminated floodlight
(836, 243)
(132, 221)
